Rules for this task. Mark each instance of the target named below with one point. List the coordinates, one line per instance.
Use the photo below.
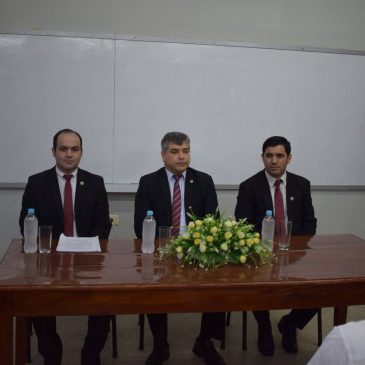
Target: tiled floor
(183, 329)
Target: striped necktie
(176, 207)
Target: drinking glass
(164, 236)
(285, 235)
(44, 238)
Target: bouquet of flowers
(216, 240)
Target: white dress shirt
(344, 345)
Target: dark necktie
(176, 207)
(279, 207)
(68, 214)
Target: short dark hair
(276, 141)
(175, 138)
(66, 130)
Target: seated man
(49, 193)
(289, 197)
(171, 192)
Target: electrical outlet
(115, 219)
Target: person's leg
(300, 317)
(212, 326)
(160, 352)
(97, 333)
(263, 320)
(49, 342)
(265, 340)
(288, 325)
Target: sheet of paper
(78, 244)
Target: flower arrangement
(216, 240)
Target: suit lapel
(266, 192)
(190, 190)
(163, 185)
(54, 188)
(291, 195)
(81, 189)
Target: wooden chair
(244, 327)
(141, 331)
(114, 337)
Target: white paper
(78, 244)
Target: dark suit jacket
(91, 206)
(254, 198)
(154, 194)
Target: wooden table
(318, 271)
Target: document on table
(78, 244)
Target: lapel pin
(82, 183)
(191, 181)
(291, 198)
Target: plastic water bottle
(30, 232)
(268, 228)
(148, 233)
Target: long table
(317, 271)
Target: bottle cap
(30, 210)
(269, 213)
(149, 212)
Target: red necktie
(279, 207)
(68, 214)
(176, 207)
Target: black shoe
(206, 350)
(289, 336)
(157, 357)
(265, 344)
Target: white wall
(337, 212)
(316, 23)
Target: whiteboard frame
(132, 188)
(183, 41)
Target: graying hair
(174, 138)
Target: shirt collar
(61, 174)
(170, 174)
(272, 179)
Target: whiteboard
(124, 95)
(51, 83)
(230, 99)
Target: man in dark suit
(256, 195)
(198, 196)
(90, 217)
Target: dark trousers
(297, 317)
(212, 326)
(50, 345)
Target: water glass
(285, 234)
(44, 238)
(164, 236)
